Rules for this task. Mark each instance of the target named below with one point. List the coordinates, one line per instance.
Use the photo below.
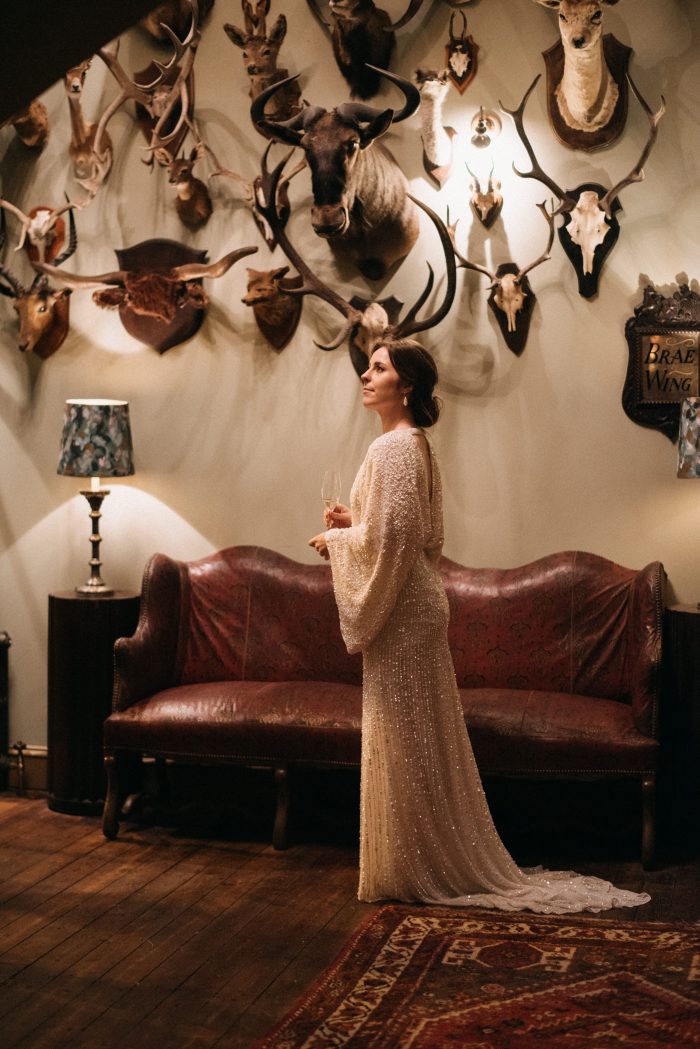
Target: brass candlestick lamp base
(94, 584)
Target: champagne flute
(330, 490)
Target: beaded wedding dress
(426, 832)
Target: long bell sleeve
(372, 559)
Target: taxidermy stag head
(159, 296)
(590, 227)
(362, 37)
(276, 312)
(192, 202)
(461, 55)
(43, 312)
(433, 85)
(586, 71)
(367, 325)
(486, 203)
(163, 95)
(260, 50)
(511, 299)
(361, 203)
(32, 125)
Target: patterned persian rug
(431, 978)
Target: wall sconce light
(689, 439)
(486, 125)
(96, 442)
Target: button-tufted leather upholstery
(238, 657)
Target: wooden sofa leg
(279, 830)
(110, 815)
(648, 821)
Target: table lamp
(96, 442)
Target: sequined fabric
(426, 833)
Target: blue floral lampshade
(96, 439)
(689, 439)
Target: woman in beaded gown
(426, 833)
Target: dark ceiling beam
(41, 39)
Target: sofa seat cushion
(524, 731)
(317, 722)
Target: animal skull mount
(486, 203)
(276, 312)
(157, 289)
(511, 298)
(590, 229)
(461, 55)
(586, 76)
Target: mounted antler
(512, 298)
(370, 326)
(254, 194)
(637, 172)
(43, 230)
(590, 227)
(159, 98)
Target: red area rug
(432, 978)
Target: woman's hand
(338, 517)
(319, 544)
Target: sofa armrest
(644, 646)
(147, 662)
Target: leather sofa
(238, 658)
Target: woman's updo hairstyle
(417, 369)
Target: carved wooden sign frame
(663, 339)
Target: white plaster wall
(232, 438)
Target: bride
(426, 833)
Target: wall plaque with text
(663, 339)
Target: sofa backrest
(248, 613)
(570, 622)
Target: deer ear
(235, 35)
(376, 127)
(279, 273)
(279, 30)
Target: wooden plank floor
(166, 940)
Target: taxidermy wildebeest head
(361, 202)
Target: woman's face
(382, 389)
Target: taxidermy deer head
(590, 227)
(586, 86)
(42, 311)
(32, 125)
(260, 50)
(192, 202)
(361, 203)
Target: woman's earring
(405, 401)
